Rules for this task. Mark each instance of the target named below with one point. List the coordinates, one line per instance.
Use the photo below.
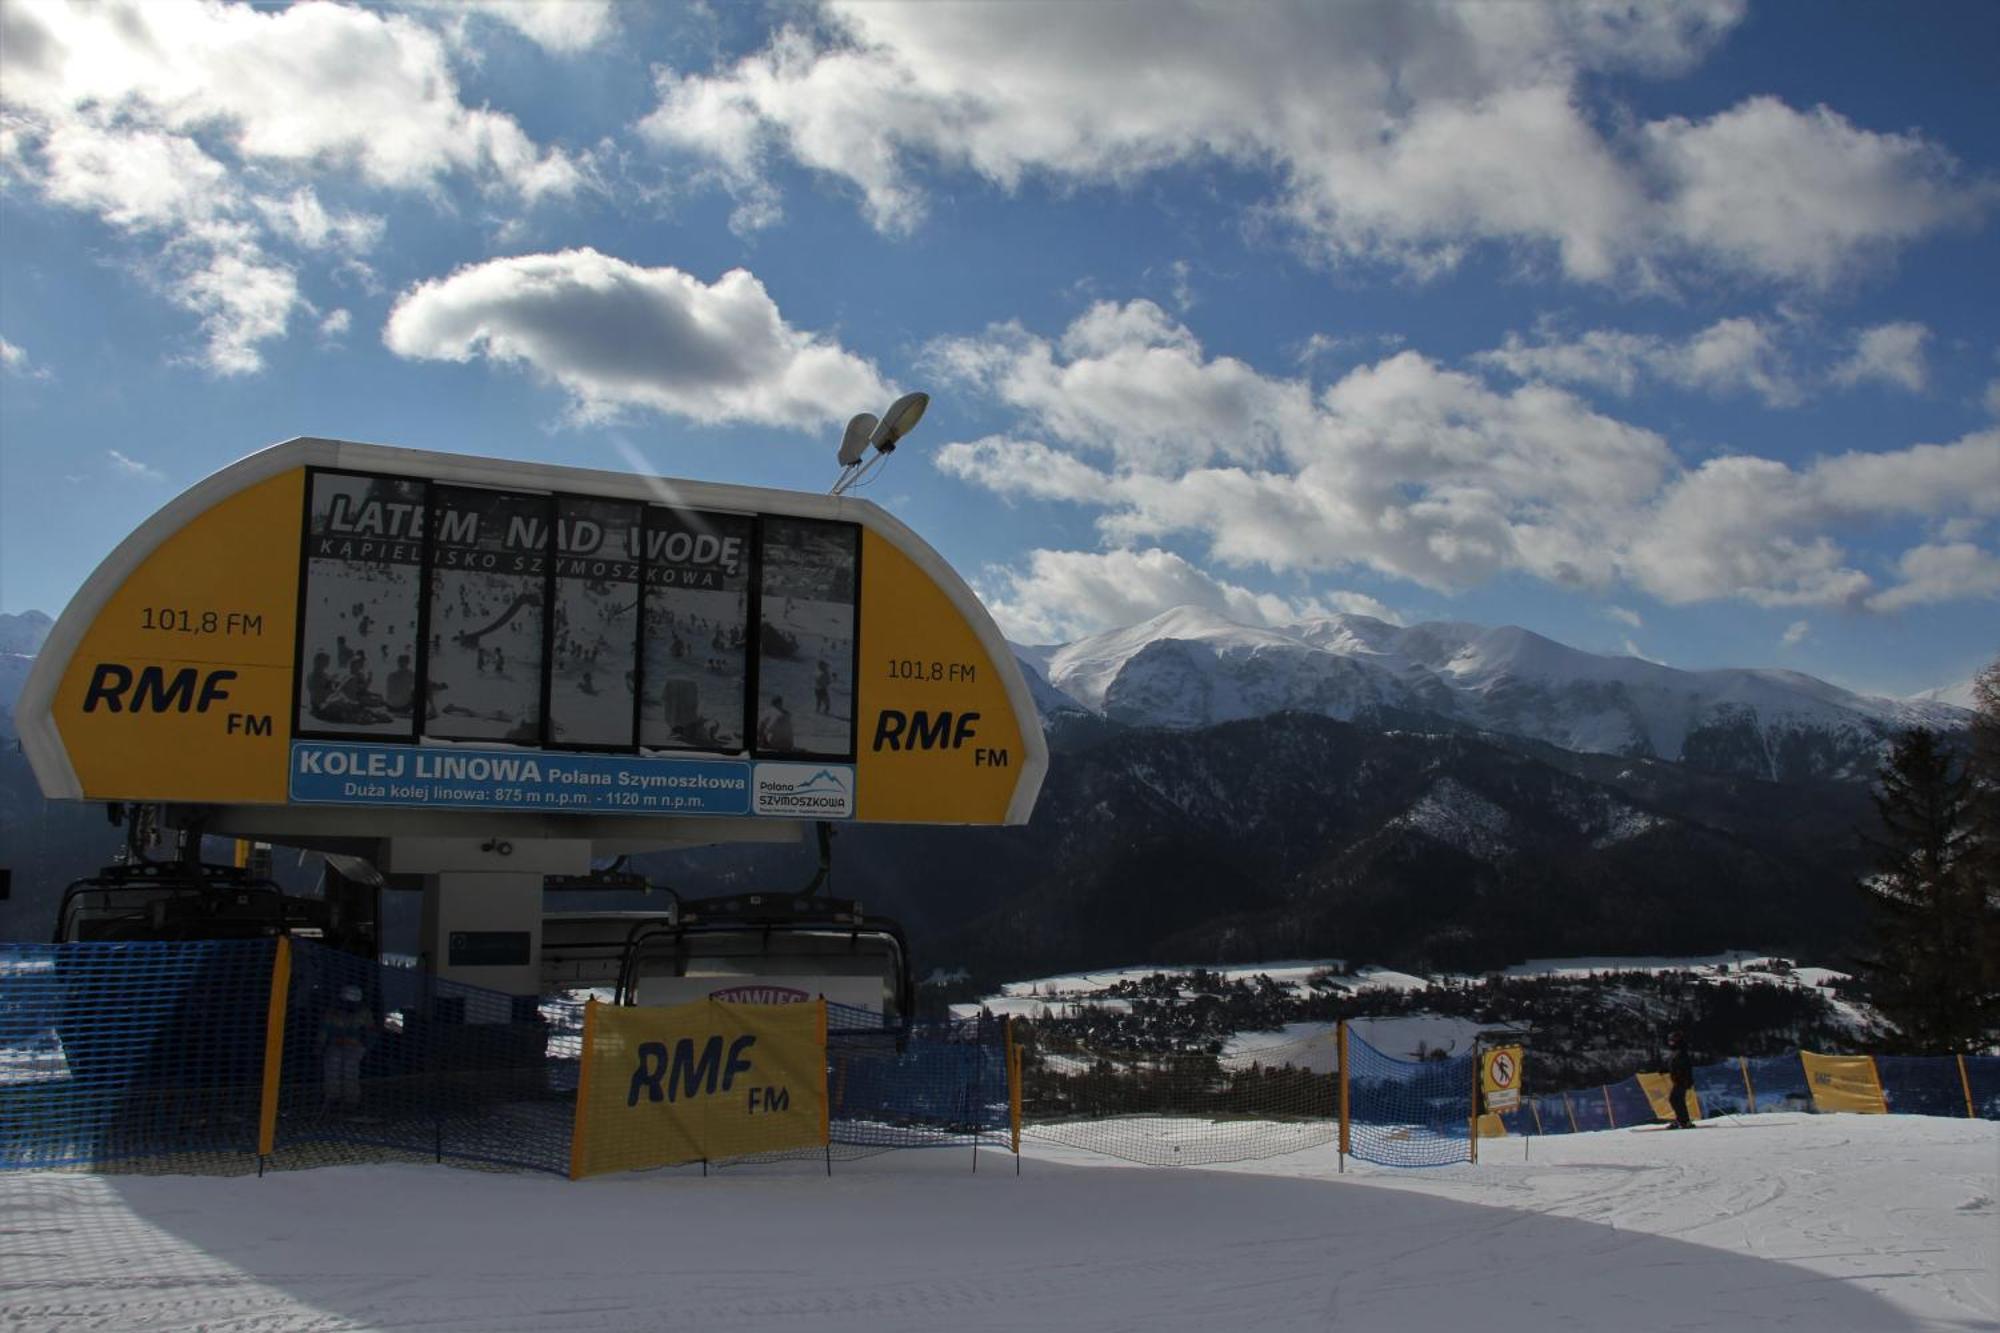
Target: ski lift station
(482, 678)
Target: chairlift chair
(773, 948)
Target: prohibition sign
(1501, 1070)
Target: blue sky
(1668, 333)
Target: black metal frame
(773, 914)
(190, 900)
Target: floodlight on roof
(867, 432)
(855, 443)
(899, 420)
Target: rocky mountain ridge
(1190, 668)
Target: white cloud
(1758, 529)
(1632, 649)
(565, 27)
(242, 298)
(616, 335)
(1022, 468)
(15, 360)
(1803, 195)
(310, 85)
(1887, 354)
(335, 325)
(301, 219)
(132, 469)
(1795, 634)
(1736, 355)
(1063, 595)
(1992, 398)
(189, 127)
(1427, 474)
(1131, 381)
(1407, 133)
(1625, 616)
(1404, 467)
(1941, 573)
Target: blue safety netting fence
(1911, 1085)
(153, 1056)
(1722, 1090)
(1239, 1102)
(1779, 1082)
(1920, 1085)
(938, 1084)
(1408, 1112)
(151, 1053)
(119, 1054)
(411, 1065)
(1629, 1103)
(1982, 1076)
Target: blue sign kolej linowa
(331, 773)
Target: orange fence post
(1749, 1089)
(1966, 1083)
(1013, 1087)
(1346, 1140)
(1609, 1114)
(1472, 1121)
(274, 1049)
(581, 1124)
(1571, 1110)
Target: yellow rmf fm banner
(1658, 1087)
(698, 1082)
(1844, 1083)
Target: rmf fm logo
(151, 690)
(686, 1074)
(921, 729)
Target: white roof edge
(34, 710)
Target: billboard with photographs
(809, 574)
(594, 638)
(488, 585)
(363, 568)
(697, 629)
(432, 631)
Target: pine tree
(1932, 975)
(1983, 858)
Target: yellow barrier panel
(274, 1048)
(699, 1082)
(1491, 1126)
(1657, 1087)
(1844, 1083)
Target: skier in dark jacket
(1680, 1077)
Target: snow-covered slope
(1050, 702)
(23, 632)
(1958, 694)
(1191, 667)
(1835, 1222)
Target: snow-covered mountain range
(1190, 667)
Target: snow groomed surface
(1826, 1223)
